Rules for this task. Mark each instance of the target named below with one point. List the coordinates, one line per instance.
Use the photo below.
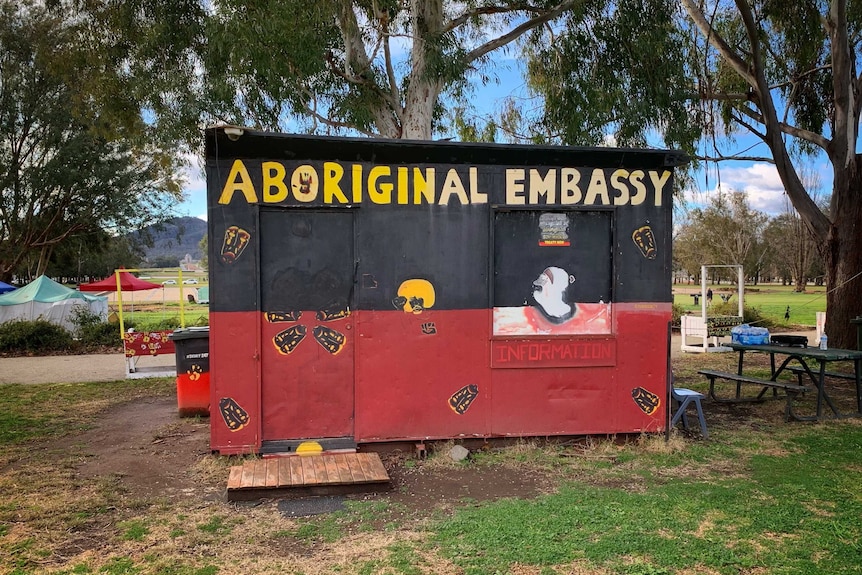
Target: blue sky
(195, 190)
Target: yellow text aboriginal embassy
(337, 183)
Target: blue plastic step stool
(685, 397)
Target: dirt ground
(153, 451)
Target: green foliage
(64, 105)
(95, 254)
(341, 72)
(677, 311)
(750, 315)
(203, 246)
(614, 68)
(36, 337)
(91, 330)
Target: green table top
(831, 354)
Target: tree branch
(745, 124)
(356, 59)
(774, 129)
(335, 124)
(723, 158)
(492, 45)
(390, 70)
(785, 128)
(717, 42)
(488, 10)
(800, 76)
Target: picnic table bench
(801, 357)
(791, 390)
(800, 371)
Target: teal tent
(46, 299)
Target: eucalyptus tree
(700, 74)
(372, 67)
(793, 250)
(725, 231)
(75, 156)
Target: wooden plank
(375, 468)
(361, 460)
(332, 472)
(381, 474)
(309, 477)
(320, 469)
(234, 480)
(343, 468)
(355, 468)
(283, 471)
(247, 474)
(271, 472)
(296, 477)
(259, 473)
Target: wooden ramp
(300, 476)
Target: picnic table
(795, 360)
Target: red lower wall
(390, 375)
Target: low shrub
(169, 323)
(676, 312)
(750, 315)
(34, 337)
(92, 331)
(166, 324)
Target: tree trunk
(843, 256)
(423, 88)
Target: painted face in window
(549, 292)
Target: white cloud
(761, 184)
(759, 181)
(193, 173)
(194, 188)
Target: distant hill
(172, 240)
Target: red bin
(192, 347)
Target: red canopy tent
(128, 282)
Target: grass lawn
(771, 300)
(761, 497)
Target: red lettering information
(553, 353)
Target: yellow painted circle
(309, 448)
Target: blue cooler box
(747, 335)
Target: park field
(772, 300)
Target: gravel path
(72, 368)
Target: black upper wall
(453, 245)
